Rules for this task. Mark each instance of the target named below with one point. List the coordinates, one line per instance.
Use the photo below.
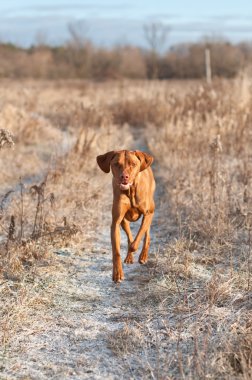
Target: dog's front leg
(145, 226)
(118, 212)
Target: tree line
(80, 59)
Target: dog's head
(125, 165)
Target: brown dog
(133, 188)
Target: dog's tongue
(124, 186)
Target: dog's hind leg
(143, 257)
(126, 227)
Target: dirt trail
(72, 340)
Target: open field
(186, 314)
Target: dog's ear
(104, 161)
(145, 159)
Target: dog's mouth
(125, 185)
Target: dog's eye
(133, 164)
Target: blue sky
(109, 22)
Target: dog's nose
(124, 177)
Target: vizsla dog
(133, 189)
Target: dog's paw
(117, 278)
(143, 258)
(129, 259)
(118, 275)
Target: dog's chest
(134, 200)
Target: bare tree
(79, 48)
(78, 32)
(156, 36)
(41, 38)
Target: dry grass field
(186, 314)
